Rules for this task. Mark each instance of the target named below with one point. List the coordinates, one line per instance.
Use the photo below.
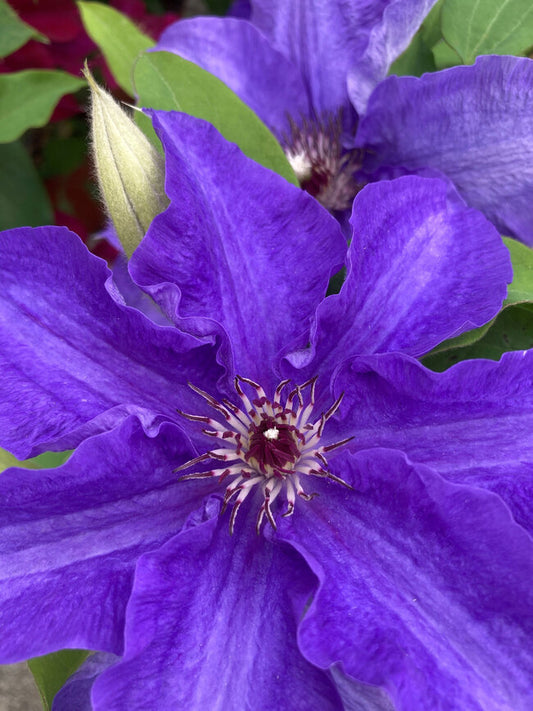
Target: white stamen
(292, 448)
(301, 165)
(321, 162)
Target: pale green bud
(131, 172)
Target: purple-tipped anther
(267, 444)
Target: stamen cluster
(324, 168)
(267, 444)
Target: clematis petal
(74, 360)
(421, 267)
(425, 587)
(322, 38)
(131, 295)
(357, 696)
(471, 123)
(388, 37)
(246, 250)
(473, 423)
(212, 624)
(76, 694)
(238, 54)
(70, 538)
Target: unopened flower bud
(130, 170)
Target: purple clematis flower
(315, 72)
(393, 564)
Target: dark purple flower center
(272, 444)
(323, 166)
(266, 444)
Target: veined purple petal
(473, 423)
(212, 625)
(331, 41)
(472, 123)
(238, 247)
(238, 54)
(323, 39)
(74, 360)
(70, 538)
(422, 267)
(387, 39)
(425, 587)
(131, 295)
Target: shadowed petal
(238, 54)
(70, 538)
(472, 423)
(245, 249)
(360, 697)
(212, 625)
(327, 40)
(421, 268)
(425, 587)
(76, 694)
(473, 124)
(74, 360)
(322, 38)
(240, 8)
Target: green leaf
(474, 27)
(119, 39)
(444, 55)
(420, 56)
(431, 27)
(521, 288)
(167, 82)
(416, 59)
(28, 98)
(23, 199)
(14, 33)
(462, 341)
(145, 124)
(218, 7)
(52, 671)
(511, 330)
(47, 460)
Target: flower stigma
(268, 446)
(324, 168)
(271, 433)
